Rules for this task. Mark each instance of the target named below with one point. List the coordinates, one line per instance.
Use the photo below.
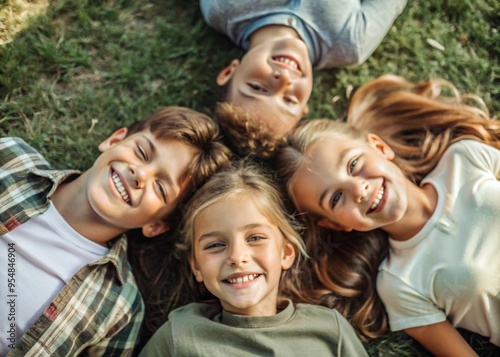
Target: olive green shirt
(202, 329)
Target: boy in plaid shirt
(63, 250)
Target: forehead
(324, 161)
(233, 213)
(329, 149)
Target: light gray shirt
(338, 33)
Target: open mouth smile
(241, 279)
(288, 61)
(120, 187)
(378, 199)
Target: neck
(422, 202)
(271, 33)
(71, 202)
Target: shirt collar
(117, 257)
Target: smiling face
(351, 184)
(138, 180)
(239, 255)
(273, 80)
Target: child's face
(137, 180)
(239, 256)
(274, 81)
(351, 184)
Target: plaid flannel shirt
(100, 311)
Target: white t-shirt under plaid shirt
(99, 311)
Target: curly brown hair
(244, 133)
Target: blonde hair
(419, 123)
(248, 181)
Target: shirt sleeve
(349, 343)
(161, 344)
(484, 156)
(373, 21)
(123, 342)
(405, 306)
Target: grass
(72, 71)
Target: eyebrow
(341, 158)
(245, 227)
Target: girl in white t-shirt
(418, 182)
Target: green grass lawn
(72, 71)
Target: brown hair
(419, 123)
(244, 133)
(193, 128)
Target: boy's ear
(227, 73)
(380, 145)
(194, 268)
(288, 255)
(117, 136)
(326, 223)
(155, 228)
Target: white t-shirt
(48, 252)
(451, 268)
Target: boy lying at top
(284, 41)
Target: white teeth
(242, 279)
(287, 61)
(378, 199)
(120, 188)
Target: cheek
(304, 89)
(209, 269)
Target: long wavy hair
(245, 180)
(244, 133)
(419, 122)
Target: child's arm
(349, 343)
(442, 339)
(160, 344)
(374, 20)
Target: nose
(360, 190)
(138, 174)
(282, 79)
(237, 255)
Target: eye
(142, 153)
(214, 245)
(352, 165)
(255, 238)
(335, 199)
(256, 87)
(162, 190)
